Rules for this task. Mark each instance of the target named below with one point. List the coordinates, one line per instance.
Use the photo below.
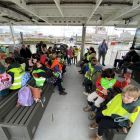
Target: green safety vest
(18, 72)
(39, 81)
(106, 84)
(88, 57)
(90, 72)
(115, 107)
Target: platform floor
(64, 118)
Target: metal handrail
(121, 53)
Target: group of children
(109, 109)
(42, 67)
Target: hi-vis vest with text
(115, 107)
(18, 72)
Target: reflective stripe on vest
(89, 73)
(18, 72)
(115, 107)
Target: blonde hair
(132, 91)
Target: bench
(21, 123)
(5, 103)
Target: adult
(130, 57)
(76, 52)
(23, 52)
(28, 52)
(102, 50)
(69, 55)
(39, 46)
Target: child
(121, 111)
(15, 70)
(93, 67)
(103, 83)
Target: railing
(121, 53)
(115, 54)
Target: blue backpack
(25, 97)
(25, 78)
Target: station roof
(119, 13)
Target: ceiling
(119, 13)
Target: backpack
(25, 97)
(5, 81)
(25, 78)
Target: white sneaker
(85, 93)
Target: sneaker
(93, 125)
(87, 109)
(92, 115)
(63, 93)
(85, 93)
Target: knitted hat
(2, 69)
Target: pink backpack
(25, 97)
(5, 81)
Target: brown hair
(9, 60)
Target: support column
(83, 41)
(134, 133)
(21, 37)
(12, 33)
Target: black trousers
(59, 84)
(88, 85)
(105, 122)
(118, 63)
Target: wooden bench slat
(14, 117)
(10, 115)
(27, 114)
(5, 98)
(21, 116)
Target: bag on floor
(25, 97)
(25, 78)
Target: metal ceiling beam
(10, 13)
(3, 19)
(22, 4)
(57, 2)
(98, 2)
(136, 5)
